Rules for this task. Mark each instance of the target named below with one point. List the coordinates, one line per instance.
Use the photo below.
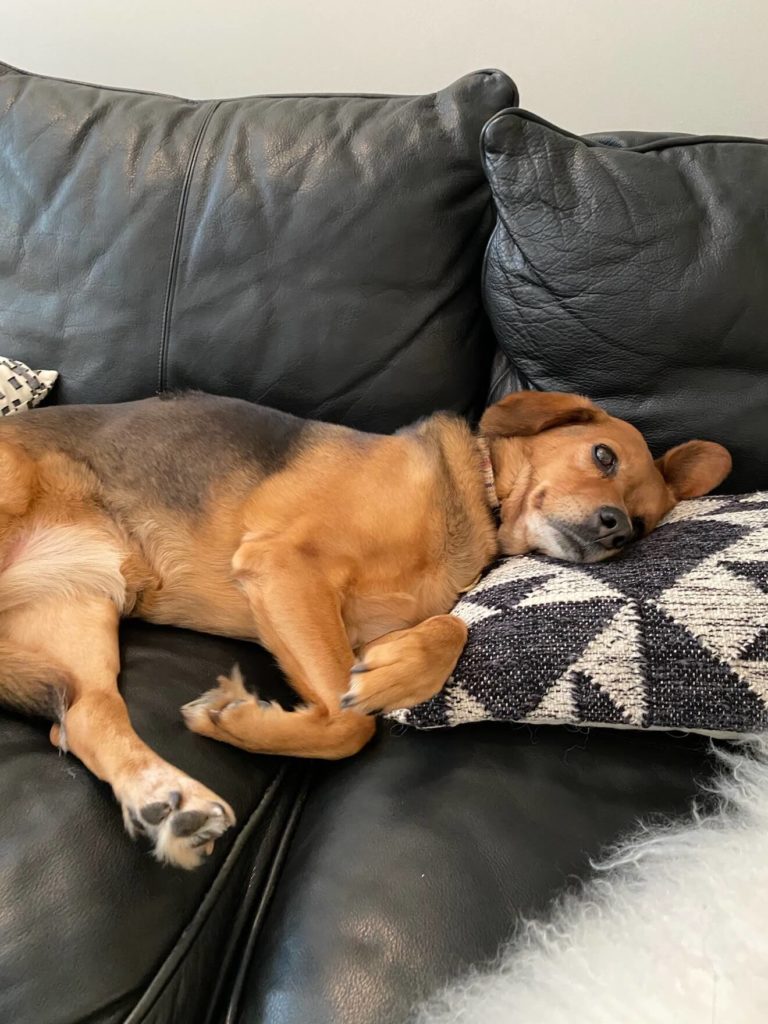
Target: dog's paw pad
(183, 826)
(185, 823)
(154, 813)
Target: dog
(342, 552)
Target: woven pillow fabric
(22, 388)
(672, 634)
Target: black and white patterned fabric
(673, 634)
(22, 388)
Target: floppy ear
(694, 468)
(525, 413)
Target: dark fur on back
(168, 450)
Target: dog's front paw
(407, 667)
(182, 818)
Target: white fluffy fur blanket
(672, 930)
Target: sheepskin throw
(22, 388)
(670, 929)
(672, 634)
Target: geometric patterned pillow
(22, 388)
(672, 634)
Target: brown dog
(341, 552)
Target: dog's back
(163, 451)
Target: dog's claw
(348, 700)
(358, 667)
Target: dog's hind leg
(31, 683)
(298, 618)
(181, 816)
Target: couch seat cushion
(416, 859)
(93, 929)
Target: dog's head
(578, 484)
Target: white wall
(690, 65)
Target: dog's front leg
(404, 668)
(297, 610)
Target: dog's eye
(605, 458)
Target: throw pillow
(633, 269)
(672, 634)
(319, 254)
(22, 388)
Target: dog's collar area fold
(489, 479)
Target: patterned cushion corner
(673, 634)
(22, 388)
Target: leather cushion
(635, 274)
(319, 254)
(93, 928)
(415, 860)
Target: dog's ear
(525, 413)
(694, 468)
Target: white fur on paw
(182, 818)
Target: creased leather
(320, 254)
(415, 861)
(636, 274)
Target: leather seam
(189, 932)
(173, 268)
(235, 997)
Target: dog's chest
(370, 614)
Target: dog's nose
(613, 527)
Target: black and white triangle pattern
(22, 388)
(671, 635)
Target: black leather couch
(323, 255)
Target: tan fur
(344, 563)
(31, 683)
(541, 445)
(66, 561)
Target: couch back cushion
(320, 254)
(634, 269)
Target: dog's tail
(31, 684)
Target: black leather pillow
(321, 254)
(635, 270)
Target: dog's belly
(370, 616)
(207, 605)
